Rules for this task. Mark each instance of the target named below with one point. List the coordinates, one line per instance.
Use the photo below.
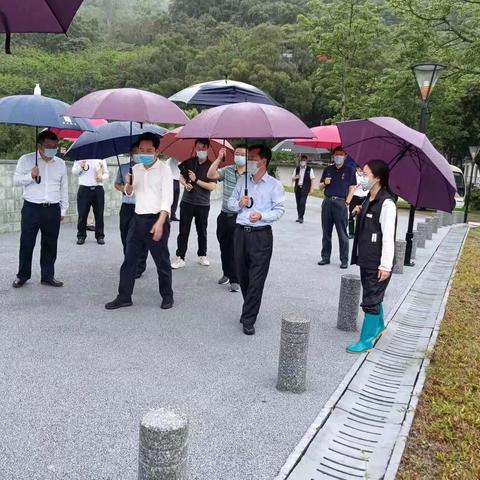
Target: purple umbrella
(246, 121)
(418, 172)
(36, 16)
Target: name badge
(369, 215)
(374, 237)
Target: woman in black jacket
(374, 250)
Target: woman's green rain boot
(381, 323)
(367, 335)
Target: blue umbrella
(110, 140)
(38, 111)
(221, 92)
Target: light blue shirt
(122, 173)
(268, 199)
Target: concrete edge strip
(294, 458)
(400, 444)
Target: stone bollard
(434, 222)
(413, 255)
(348, 303)
(421, 237)
(400, 247)
(292, 365)
(422, 228)
(441, 219)
(428, 229)
(458, 216)
(163, 446)
(449, 219)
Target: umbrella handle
(8, 38)
(39, 178)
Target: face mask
(303, 163)
(202, 155)
(338, 159)
(252, 167)
(145, 158)
(240, 160)
(365, 184)
(50, 152)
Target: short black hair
(46, 135)
(304, 157)
(380, 170)
(264, 152)
(203, 141)
(134, 145)
(150, 137)
(338, 149)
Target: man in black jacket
(303, 177)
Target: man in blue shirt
(339, 182)
(253, 241)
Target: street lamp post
(473, 154)
(426, 75)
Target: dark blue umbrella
(38, 111)
(221, 92)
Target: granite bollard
(400, 247)
(163, 446)
(292, 364)
(414, 246)
(428, 229)
(458, 216)
(434, 222)
(348, 303)
(449, 219)
(421, 237)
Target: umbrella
(72, 135)
(326, 136)
(246, 121)
(289, 146)
(418, 172)
(38, 111)
(36, 16)
(183, 149)
(221, 92)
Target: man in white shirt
(152, 185)
(173, 164)
(91, 175)
(44, 207)
(359, 195)
(302, 178)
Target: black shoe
(100, 241)
(344, 265)
(18, 283)
(323, 262)
(52, 283)
(167, 304)
(174, 219)
(249, 330)
(297, 220)
(300, 220)
(117, 303)
(80, 241)
(90, 228)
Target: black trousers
(176, 196)
(47, 220)
(351, 221)
(189, 212)
(253, 251)
(127, 212)
(138, 238)
(334, 212)
(373, 290)
(90, 197)
(301, 198)
(226, 226)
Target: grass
(444, 442)
(316, 193)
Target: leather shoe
(100, 241)
(52, 283)
(344, 265)
(323, 262)
(117, 303)
(167, 304)
(18, 283)
(80, 241)
(249, 330)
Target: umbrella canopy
(72, 135)
(39, 111)
(184, 148)
(418, 172)
(36, 16)
(248, 121)
(221, 92)
(326, 136)
(109, 140)
(128, 104)
(289, 146)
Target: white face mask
(240, 160)
(303, 163)
(252, 167)
(50, 152)
(202, 155)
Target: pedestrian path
(364, 434)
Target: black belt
(92, 187)
(333, 197)
(229, 214)
(248, 228)
(148, 215)
(44, 205)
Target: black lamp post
(473, 154)
(426, 75)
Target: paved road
(75, 379)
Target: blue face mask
(240, 160)
(338, 159)
(50, 152)
(145, 158)
(365, 183)
(252, 167)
